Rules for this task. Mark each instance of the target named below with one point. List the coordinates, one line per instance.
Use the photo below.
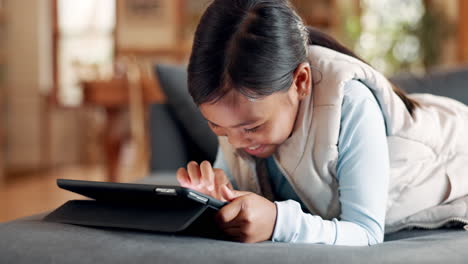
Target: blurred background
(76, 77)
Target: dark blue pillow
(173, 82)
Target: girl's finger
(238, 222)
(194, 173)
(230, 194)
(220, 177)
(233, 232)
(183, 177)
(220, 180)
(229, 212)
(207, 175)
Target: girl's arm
(362, 173)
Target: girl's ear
(303, 80)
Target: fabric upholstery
(173, 81)
(34, 241)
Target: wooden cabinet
(318, 13)
(3, 101)
(463, 31)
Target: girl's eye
(252, 130)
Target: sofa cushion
(173, 82)
(168, 142)
(32, 240)
(451, 83)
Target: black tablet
(157, 195)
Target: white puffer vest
(428, 152)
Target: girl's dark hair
(253, 46)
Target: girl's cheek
(266, 138)
(274, 137)
(218, 131)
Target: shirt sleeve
(362, 175)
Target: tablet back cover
(131, 216)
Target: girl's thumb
(230, 194)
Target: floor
(38, 192)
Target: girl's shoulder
(356, 91)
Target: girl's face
(258, 126)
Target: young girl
(315, 145)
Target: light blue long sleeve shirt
(362, 175)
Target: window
(84, 35)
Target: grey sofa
(179, 135)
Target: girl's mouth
(255, 150)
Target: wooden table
(115, 98)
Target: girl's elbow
(375, 239)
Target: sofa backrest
(178, 131)
(453, 83)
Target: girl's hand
(248, 217)
(204, 178)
